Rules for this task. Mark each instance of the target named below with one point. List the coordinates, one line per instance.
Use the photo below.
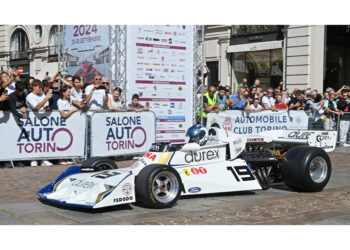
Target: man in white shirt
(37, 100)
(95, 94)
(76, 96)
(268, 101)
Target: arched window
(53, 40)
(19, 45)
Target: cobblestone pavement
(19, 204)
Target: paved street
(19, 204)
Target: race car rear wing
(322, 139)
(315, 138)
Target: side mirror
(191, 147)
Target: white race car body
(213, 168)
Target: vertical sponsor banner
(121, 133)
(252, 123)
(87, 48)
(160, 71)
(42, 135)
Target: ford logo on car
(194, 190)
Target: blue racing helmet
(197, 134)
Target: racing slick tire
(96, 164)
(306, 169)
(158, 186)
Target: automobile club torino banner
(252, 123)
(87, 48)
(42, 135)
(121, 133)
(160, 71)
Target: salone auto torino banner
(121, 133)
(87, 48)
(160, 71)
(42, 135)
(242, 122)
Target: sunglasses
(98, 79)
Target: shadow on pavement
(88, 210)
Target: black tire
(96, 164)
(296, 168)
(145, 183)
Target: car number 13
(241, 173)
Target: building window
(53, 44)
(267, 66)
(38, 32)
(19, 45)
(213, 77)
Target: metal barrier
(46, 135)
(43, 135)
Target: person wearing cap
(17, 101)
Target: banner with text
(243, 122)
(87, 48)
(42, 135)
(160, 71)
(121, 133)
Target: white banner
(160, 71)
(42, 135)
(121, 133)
(87, 49)
(242, 122)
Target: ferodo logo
(117, 200)
(202, 156)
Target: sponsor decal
(255, 139)
(200, 170)
(202, 156)
(227, 125)
(320, 138)
(127, 189)
(156, 39)
(83, 184)
(186, 172)
(194, 190)
(299, 134)
(150, 156)
(121, 199)
(105, 174)
(238, 141)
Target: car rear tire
(306, 169)
(158, 186)
(96, 164)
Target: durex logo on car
(194, 190)
(202, 156)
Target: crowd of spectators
(66, 95)
(323, 109)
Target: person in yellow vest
(210, 104)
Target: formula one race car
(226, 162)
